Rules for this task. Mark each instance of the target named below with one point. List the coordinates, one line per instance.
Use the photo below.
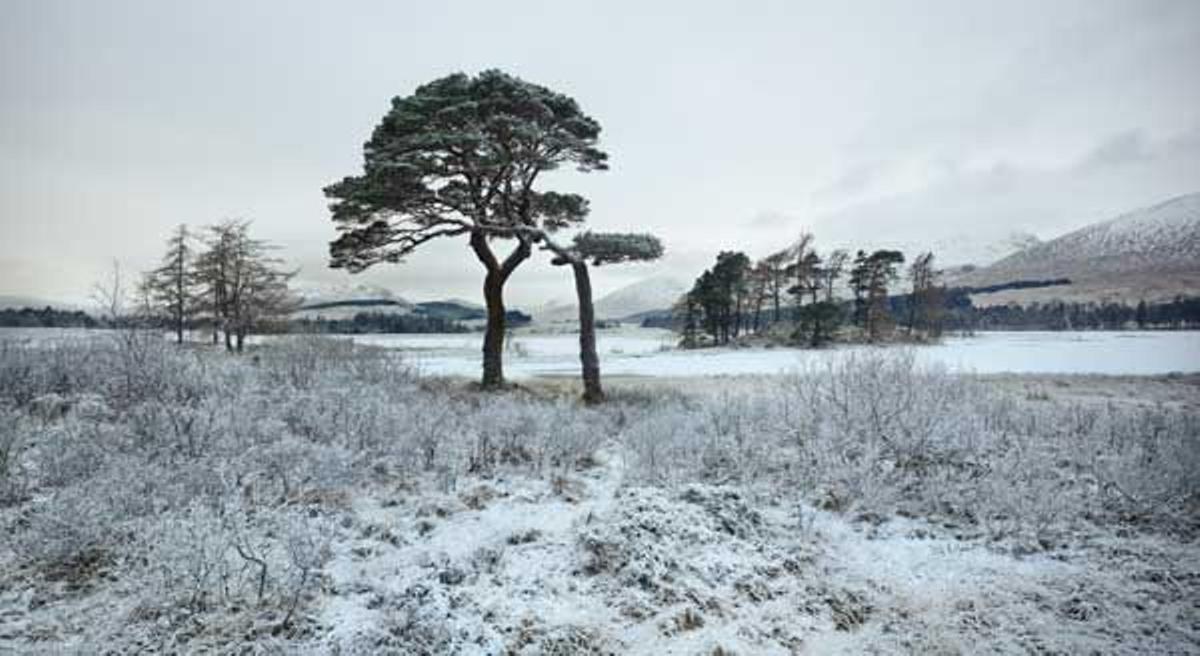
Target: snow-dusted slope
(343, 301)
(1164, 236)
(320, 294)
(655, 293)
(1150, 252)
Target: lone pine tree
(460, 157)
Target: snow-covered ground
(319, 499)
(651, 352)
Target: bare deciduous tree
(925, 302)
(243, 284)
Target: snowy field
(322, 498)
(650, 352)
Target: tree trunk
(493, 336)
(815, 341)
(241, 339)
(493, 296)
(735, 320)
(588, 358)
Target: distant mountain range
(1151, 253)
(345, 301)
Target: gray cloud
(1124, 148)
(854, 181)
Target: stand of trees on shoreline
(802, 297)
(792, 295)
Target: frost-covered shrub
(876, 433)
(202, 557)
(305, 361)
(1143, 460)
(71, 451)
(292, 469)
(30, 370)
(663, 444)
(12, 446)
(67, 533)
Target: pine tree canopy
(462, 153)
(615, 247)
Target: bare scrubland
(317, 497)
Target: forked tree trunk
(588, 358)
(493, 296)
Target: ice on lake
(651, 352)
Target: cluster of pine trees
(797, 293)
(222, 279)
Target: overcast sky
(729, 124)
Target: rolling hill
(1151, 253)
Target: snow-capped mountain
(18, 302)
(1153, 252)
(344, 300)
(654, 293)
(326, 294)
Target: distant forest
(46, 317)
(436, 318)
(379, 322)
(360, 323)
(1182, 313)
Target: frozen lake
(651, 352)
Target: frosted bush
(68, 533)
(202, 557)
(12, 447)
(307, 361)
(663, 445)
(875, 433)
